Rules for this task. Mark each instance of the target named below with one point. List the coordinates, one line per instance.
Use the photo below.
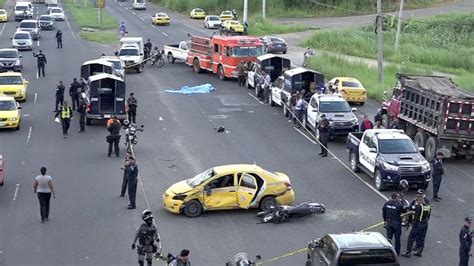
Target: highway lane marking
(15, 195)
(70, 28)
(26, 115)
(36, 96)
(126, 8)
(164, 33)
(29, 135)
(134, 13)
(142, 19)
(4, 25)
(460, 170)
(38, 43)
(251, 95)
(304, 135)
(160, 118)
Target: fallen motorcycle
(241, 259)
(277, 214)
(157, 58)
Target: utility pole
(379, 42)
(100, 15)
(399, 26)
(264, 7)
(245, 14)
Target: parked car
(197, 13)
(212, 22)
(3, 15)
(176, 51)
(239, 186)
(117, 65)
(14, 85)
(57, 14)
(232, 26)
(350, 88)
(226, 15)
(10, 117)
(160, 19)
(10, 60)
(31, 26)
(53, 5)
(274, 44)
(139, 5)
(46, 22)
(22, 40)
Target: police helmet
(147, 215)
(403, 183)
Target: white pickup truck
(177, 51)
(131, 52)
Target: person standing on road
(323, 128)
(391, 212)
(147, 51)
(132, 108)
(181, 260)
(465, 239)
(146, 235)
(59, 95)
(65, 114)
(299, 110)
(59, 38)
(40, 62)
(437, 174)
(74, 90)
(240, 74)
(421, 215)
(366, 124)
(125, 174)
(266, 86)
(132, 173)
(82, 109)
(43, 187)
(114, 138)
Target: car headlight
(179, 197)
(17, 62)
(12, 119)
(355, 121)
(389, 167)
(426, 167)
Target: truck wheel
(221, 73)
(385, 121)
(171, 59)
(192, 209)
(267, 202)
(88, 121)
(430, 148)
(196, 66)
(379, 184)
(354, 162)
(420, 139)
(410, 130)
(270, 100)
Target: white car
(212, 22)
(118, 65)
(57, 13)
(53, 5)
(139, 5)
(22, 40)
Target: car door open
(246, 190)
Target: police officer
(59, 95)
(465, 239)
(131, 169)
(421, 214)
(59, 38)
(132, 108)
(125, 174)
(148, 46)
(82, 109)
(74, 90)
(65, 114)
(114, 137)
(323, 128)
(146, 234)
(391, 212)
(40, 62)
(437, 174)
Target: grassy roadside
(86, 17)
(2, 3)
(260, 27)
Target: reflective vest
(65, 112)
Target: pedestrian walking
(65, 115)
(392, 216)
(40, 62)
(125, 174)
(114, 137)
(465, 239)
(148, 46)
(74, 91)
(366, 124)
(181, 260)
(59, 38)
(323, 128)
(82, 109)
(59, 95)
(43, 187)
(438, 171)
(132, 108)
(146, 235)
(240, 74)
(132, 174)
(421, 214)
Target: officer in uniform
(65, 114)
(132, 108)
(391, 213)
(131, 172)
(74, 91)
(465, 238)
(114, 137)
(437, 174)
(147, 51)
(146, 235)
(40, 62)
(323, 129)
(421, 214)
(59, 38)
(82, 109)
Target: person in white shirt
(43, 187)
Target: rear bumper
(105, 116)
(286, 199)
(274, 49)
(355, 98)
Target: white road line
(251, 95)
(15, 195)
(134, 13)
(4, 25)
(160, 118)
(38, 43)
(29, 135)
(164, 33)
(304, 135)
(142, 19)
(36, 96)
(126, 8)
(26, 115)
(70, 28)
(462, 171)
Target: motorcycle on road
(131, 138)
(277, 214)
(241, 259)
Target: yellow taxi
(3, 15)
(226, 15)
(13, 84)
(350, 88)
(233, 26)
(9, 112)
(160, 19)
(237, 186)
(197, 13)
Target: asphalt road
(90, 224)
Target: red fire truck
(222, 54)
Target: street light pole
(264, 7)
(399, 26)
(379, 42)
(246, 6)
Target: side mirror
(17, 26)
(373, 150)
(354, 109)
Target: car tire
(354, 162)
(170, 57)
(361, 103)
(284, 52)
(267, 202)
(192, 209)
(379, 184)
(18, 127)
(196, 66)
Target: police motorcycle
(241, 259)
(157, 57)
(279, 213)
(131, 138)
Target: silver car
(22, 40)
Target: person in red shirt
(366, 124)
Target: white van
(23, 10)
(139, 4)
(49, 2)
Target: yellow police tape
(136, 64)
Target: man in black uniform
(125, 174)
(82, 109)
(148, 46)
(59, 95)
(131, 169)
(323, 129)
(40, 62)
(437, 174)
(465, 238)
(146, 234)
(74, 90)
(421, 214)
(391, 213)
(132, 107)
(59, 38)
(114, 137)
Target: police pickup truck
(389, 155)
